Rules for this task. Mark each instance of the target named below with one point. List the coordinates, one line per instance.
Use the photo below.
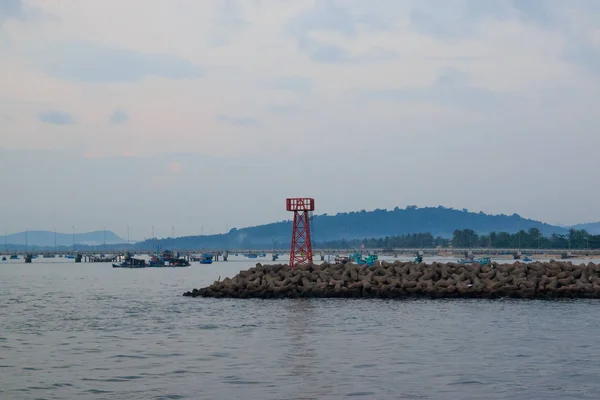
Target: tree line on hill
(461, 238)
(468, 238)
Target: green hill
(439, 221)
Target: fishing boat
(161, 263)
(131, 262)
(483, 260)
(158, 263)
(341, 259)
(179, 262)
(469, 261)
(370, 259)
(167, 259)
(360, 260)
(354, 257)
(206, 258)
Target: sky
(200, 116)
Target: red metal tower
(301, 251)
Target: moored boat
(360, 260)
(206, 258)
(131, 263)
(341, 259)
(483, 260)
(470, 260)
(173, 262)
(167, 259)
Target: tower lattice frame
(301, 249)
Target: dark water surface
(88, 331)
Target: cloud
(56, 118)
(10, 9)
(451, 88)
(89, 62)
(238, 121)
(414, 82)
(328, 53)
(118, 117)
(570, 19)
(5, 117)
(465, 19)
(584, 53)
(229, 23)
(285, 109)
(455, 19)
(330, 16)
(292, 83)
(322, 52)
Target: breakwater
(552, 279)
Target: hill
(439, 221)
(592, 227)
(46, 239)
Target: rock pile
(408, 279)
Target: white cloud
(88, 62)
(118, 116)
(56, 118)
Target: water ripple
(80, 332)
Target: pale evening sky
(192, 113)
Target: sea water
(90, 331)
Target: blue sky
(111, 110)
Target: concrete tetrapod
(537, 280)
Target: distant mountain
(439, 221)
(46, 239)
(592, 228)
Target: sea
(90, 331)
